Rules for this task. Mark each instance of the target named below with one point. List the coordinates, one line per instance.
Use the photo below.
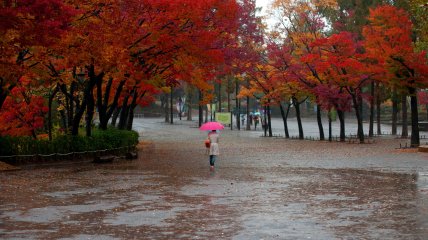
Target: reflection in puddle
(171, 194)
(91, 237)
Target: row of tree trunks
(105, 111)
(266, 123)
(126, 118)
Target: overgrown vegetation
(100, 140)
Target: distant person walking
(213, 137)
(256, 121)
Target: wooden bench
(423, 148)
(131, 155)
(104, 159)
(423, 126)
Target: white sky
(264, 4)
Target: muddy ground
(262, 188)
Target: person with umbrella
(213, 138)
(256, 119)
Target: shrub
(100, 140)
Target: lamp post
(81, 76)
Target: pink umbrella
(209, 126)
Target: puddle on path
(169, 193)
(291, 203)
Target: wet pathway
(261, 189)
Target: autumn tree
(23, 111)
(27, 30)
(289, 90)
(344, 64)
(388, 38)
(244, 53)
(300, 23)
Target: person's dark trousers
(212, 159)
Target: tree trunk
(130, 118)
(378, 105)
(341, 116)
(89, 96)
(263, 121)
(394, 112)
(172, 106)
(269, 123)
(115, 116)
(50, 100)
(2, 97)
(76, 119)
(124, 113)
(319, 120)
(228, 93)
(89, 113)
(211, 111)
(206, 113)
(284, 119)
(201, 114)
(166, 108)
(404, 128)
(4, 93)
(330, 137)
(180, 109)
(72, 107)
(248, 114)
(357, 108)
(238, 107)
(131, 110)
(189, 104)
(63, 122)
(219, 97)
(69, 104)
(79, 111)
(426, 107)
(360, 100)
(372, 104)
(299, 119)
(104, 110)
(414, 140)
